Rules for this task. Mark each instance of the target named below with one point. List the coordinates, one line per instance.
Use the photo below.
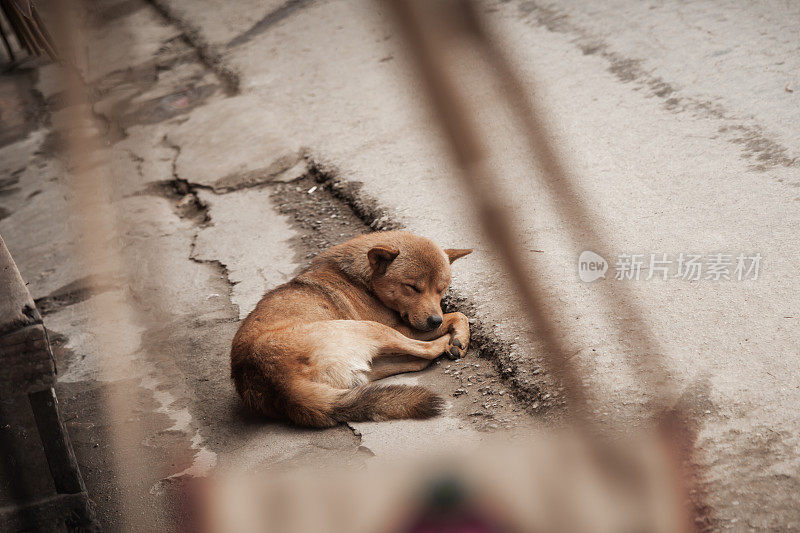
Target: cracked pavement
(244, 137)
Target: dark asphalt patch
(320, 219)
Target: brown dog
(362, 310)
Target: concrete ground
(245, 137)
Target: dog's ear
(381, 256)
(453, 254)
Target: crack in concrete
(359, 439)
(191, 207)
(273, 17)
(115, 97)
(283, 170)
(206, 52)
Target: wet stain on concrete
(765, 153)
(126, 114)
(115, 96)
(204, 51)
(21, 111)
(105, 14)
(769, 498)
(90, 425)
(85, 415)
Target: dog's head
(410, 276)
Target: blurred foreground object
(27, 376)
(555, 482)
(22, 19)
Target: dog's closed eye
(413, 287)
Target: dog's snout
(434, 321)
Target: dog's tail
(307, 403)
(320, 405)
(374, 402)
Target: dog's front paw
(457, 348)
(459, 338)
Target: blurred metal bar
(97, 227)
(463, 20)
(465, 141)
(428, 40)
(648, 358)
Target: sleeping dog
(369, 308)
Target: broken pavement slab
(249, 239)
(233, 144)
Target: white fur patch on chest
(341, 354)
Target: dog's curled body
(362, 310)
